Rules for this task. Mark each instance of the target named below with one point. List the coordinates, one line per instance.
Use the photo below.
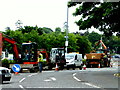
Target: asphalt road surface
(97, 78)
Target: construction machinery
(57, 55)
(28, 59)
(15, 50)
(98, 57)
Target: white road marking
(21, 86)
(54, 79)
(91, 85)
(74, 74)
(76, 77)
(84, 83)
(48, 80)
(22, 80)
(51, 79)
(31, 75)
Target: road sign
(16, 67)
(65, 36)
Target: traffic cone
(16, 73)
(84, 67)
(98, 65)
(56, 68)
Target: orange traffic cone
(16, 73)
(84, 67)
(98, 65)
(56, 68)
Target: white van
(74, 60)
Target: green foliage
(84, 45)
(58, 30)
(94, 37)
(103, 16)
(5, 63)
(72, 43)
(28, 29)
(84, 61)
(46, 30)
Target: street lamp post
(66, 42)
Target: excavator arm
(103, 45)
(15, 50)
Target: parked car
(74, 60)
(5, 74)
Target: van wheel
(67, 67)
(73, 67)
(80, 67)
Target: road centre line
(76, 77)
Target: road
(89, 78)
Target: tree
(72, 43)
(28, 29)
(17, 36)
(46, 30)
(103, 16)
(48, 40)
(58, 29)
(84, 45)
(94, 37)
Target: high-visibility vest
(105, 56)
(40, 58)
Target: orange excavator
(15, 50)
(98, 57)
(28, 59)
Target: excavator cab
(29, 52)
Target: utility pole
(66, 27)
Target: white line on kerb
(22, 80)
(76, 77)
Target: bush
(12, 61)
(6, 62)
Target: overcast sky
(50, 13)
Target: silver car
(5, 74)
